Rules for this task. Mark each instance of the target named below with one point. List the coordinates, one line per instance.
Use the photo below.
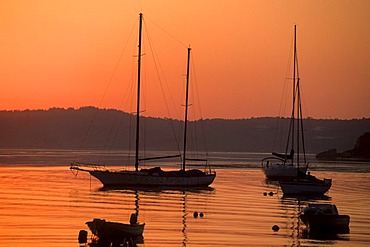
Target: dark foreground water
(43, 204)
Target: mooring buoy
(275, 228)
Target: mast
(186, 109)
(294, 93)
(138, 95)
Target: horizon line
(207, 118)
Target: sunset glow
(68, 54)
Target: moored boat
(308, 185)
(153, 176)
(114, 230)
(292, 163)
(325, 218)
(302, 184)
(276, 168)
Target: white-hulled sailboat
(153, 176)
(285, 166)
(304, 184)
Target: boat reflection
(325, 235)
(184, 215)
(304, 199)
(177, 196)
(157, 189)
(145, 198)
(123, 242)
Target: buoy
(271, 193)
(195, 214)
(265, 193)
(275, 228)
(201, 214)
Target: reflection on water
(159, 193)
(184, 215)
(329, 236)
(47, 206)
(124, 242)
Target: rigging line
(108, 151)
(283, 102)
(118, 62)
(173, 37)
(159, 74)
(105, 92)
(301, 123)
(294, 93)
(158, 70)
(300, 110)
(196, 86)
(199, 106)
(291, 124)
(113, 136)
(116, 124)
(308, 122)
(193, 131)
(131, 92)
(129, 140)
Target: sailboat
(304, 184)
(281, 167)
(153, 176)
(285, 166)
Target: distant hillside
(360, 151)
(92, 128)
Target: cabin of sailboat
(152, 176)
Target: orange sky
(64, 53)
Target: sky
(79, 53)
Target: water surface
(46, 205)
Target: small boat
(114, 230)
(324, 218)
(154, 176)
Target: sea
(44, 204)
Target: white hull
(306, 187)
(131, 178)
(282, 171)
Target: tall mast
(186, 108)
(296, 98)
(294, 89)
(138, 96)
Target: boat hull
(282, 171)
(302, 187)
(332, 223)
(142, 179)
(276, 168)
(114, 230)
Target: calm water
(43, 204)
